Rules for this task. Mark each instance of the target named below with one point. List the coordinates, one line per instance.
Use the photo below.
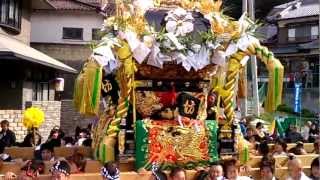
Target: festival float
(163, 82)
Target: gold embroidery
(106, 86)
(189, 107)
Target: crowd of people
(44, 151)
(259, 139)
(56, 138)
(229, 169)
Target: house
(65, 29)
(295, 41)
(70, 28)
(27, 76)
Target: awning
(18, 49)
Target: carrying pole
(254, 68)
(244, 103)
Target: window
(291, 34)
(96, 34)
(10, 11)
(72, 33)
(314, 32)
(40, 91)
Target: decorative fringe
(87, 89)
(275, 83)
(243, 150)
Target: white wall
(46, 27)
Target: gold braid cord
(234, 67)
(125, 79)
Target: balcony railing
(302, 39)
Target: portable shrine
(164, 79)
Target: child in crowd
(54, 138)
(178, 173)
(47, 152)
(60, 171)
(110, 171)
(77, 163)
(231, 170)
(260, 131)
(315, 169)
(267, 170)
(280, 148)
(7, 136)
(216, 172)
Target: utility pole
(244, 103)
(256, 104)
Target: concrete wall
(24, 35)
(54, 21)
(15, 122)
(71, 118)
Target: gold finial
(168, 3)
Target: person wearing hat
(157, 174)
(30, 170)
(110, 171)
(60, 171)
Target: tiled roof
(84, 5)
(295, 9)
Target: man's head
(216, 170)
(266, 170)
(110, 171)
(4, 125)
(315, 168)
(308, 123)
(280, 146)
(259, 125)
(231, 169)
(294, 167)
(250, 132)
(46, 151)
(54, 134)
(60, 171)
(178, 174)
(83, 133)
